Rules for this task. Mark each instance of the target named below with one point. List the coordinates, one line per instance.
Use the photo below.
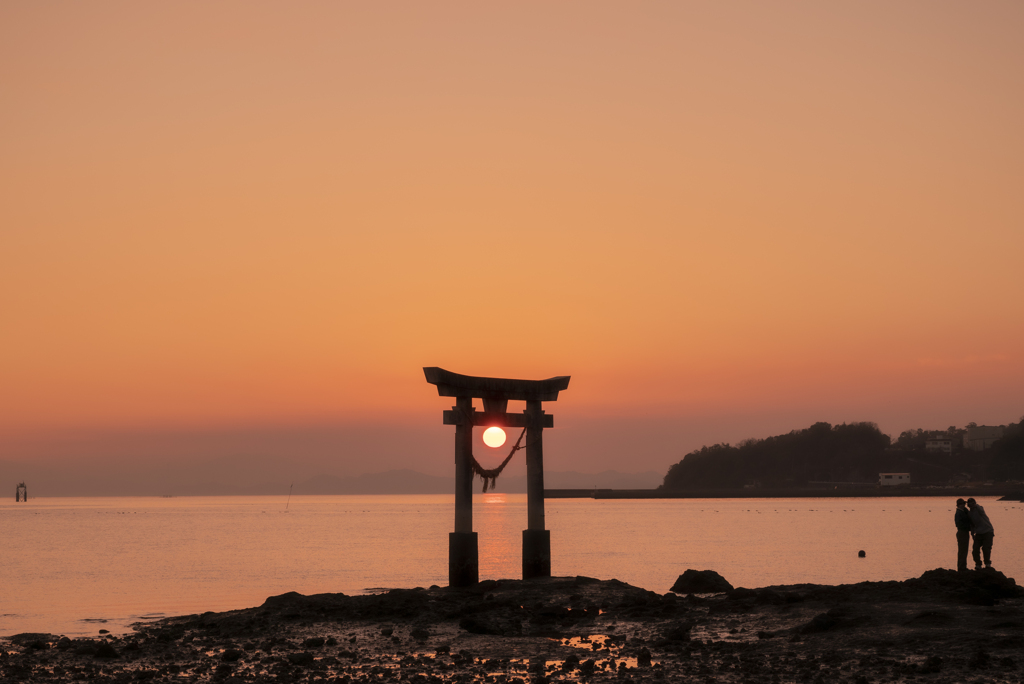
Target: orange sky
(723, 220)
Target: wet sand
(941, 627)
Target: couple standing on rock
(972, 520)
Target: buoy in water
(861, 554)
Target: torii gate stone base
(463, 556)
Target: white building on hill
(981, 437)
(893, 479)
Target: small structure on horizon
(21, 492)
(981, 437)
(893, 479)
(463, 555)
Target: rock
(643, 657)
(931, 665)
(105, 650)
(477, 625)
(231, 655)
(984, 588)
(485, 586)
(314, 642)
(701, 582)
(769, 597)
(302, 658)
(931, 618)
(678, 632)
(742, 593)
(821, 623)
(837, 618)
(861, 554)
(980, 660)
(33, 639)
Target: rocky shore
(941, 627)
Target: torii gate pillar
(463, 557)
(536, 539)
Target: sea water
(77, 565)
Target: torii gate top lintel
(494, 389)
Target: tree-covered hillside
(854, 452)
(849, 453)
(1008, 454)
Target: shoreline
(1012, 492)
(949, 626)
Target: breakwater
(1011, 492)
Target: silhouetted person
(962, 520)
(983, 534)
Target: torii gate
(463, 556)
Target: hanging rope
(490, 476)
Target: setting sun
(494, 437)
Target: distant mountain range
(412, 482)
(91, 479)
